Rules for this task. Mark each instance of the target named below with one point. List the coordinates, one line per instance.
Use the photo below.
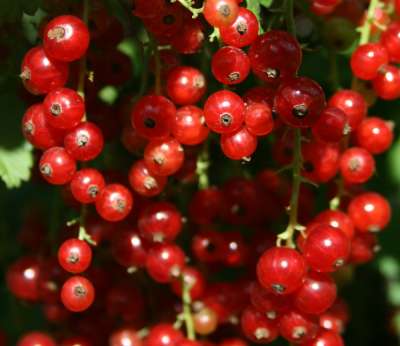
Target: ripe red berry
(357, 165)
(85, 142)
(185, 85)
(189, 126)
(163, 335)
(363, 248)
(258, 119)
(144, 182)
(275, 56)
(152, 116)
(86, 185)
(316, 295)
(205, 321)
(238, 145)
(281, 270)
(331, 126)
(367, 60)
(387, 83)
(164, 262)
(190, 38)
(77, 294)
(37, 131)
(299, 102)
(75, 255)
(41, 74)
(124, 337)
(337, 219)
(224, 111)
(164, 157)
(114, 202)
(370, 212)
(36, 339)
(326, 338)
(167, 21)
(57, 166)
(64, 108)
(207, 246)
(66, 38)
(233, 342)
(390, 38)
(220, 13)
(243, 31)
(230, 65)
(297, 327)
(326, 249)
(375, 135)
(192, 277)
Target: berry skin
(357, 165)
(114, 202)
(331, 125)
(190, 38)
(238, 145)
(390, 38)
(41, 74)
(220, 13)
(230, 65)
(37, 131)
(375, 135)
(275, 56)
(152, 116)
(57, 166)
(363, 248)
(77, 294)
(297, 327)
(326, 249)
(189, 126)
(205, 321)
(352, 104)
(36, 339)
(258, 119)
(66, 38)
(325, 338)
(299, 102)
(186, 85)
(86, 185)
(85, 142)
(317, 294)
(164, 157)
(224, 111)
(64, 108)
(207, 246)
(243, 31)
(164, 262)
(281, 270)
(337, 219)
(370, 212)
(192, 277)
(163, 335)
(123, 337)
(144, 182)
(387, 83)
(367, 60)
(257, 327)
(75, 256)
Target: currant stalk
(202, 165)
(188, 4)
(365, 29)
(187, 312)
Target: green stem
(202, 165)
(365, 30)
(187, 312)
(188, 5)
(289, 17)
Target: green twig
(187, 312)
(202, 165)
(365, 29)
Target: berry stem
(187, 313)
(202, 165)
(188, 4)
(365, 29)
(293, 225)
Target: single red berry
(164, 262)
(37, 130)
(260, 94)
(75, 256)
(337, 219)
(331, 126)
(194, 279)
(114, 202)
(238, 145)
(224, 111)
(57, 166)
(160, 221)
(40, 74)
(164, 157)
(85, 142)
(230, 65)
(36, 339)
(207, 246)
(316, 295)
(357, 165)
(257, 327)
(375, 135)
(390, 38)
(258, 119)
(86, 185)
(281, 270)
(76, 341)
(236, 250)
(387, 83)
(220, 13)
(367, 60)
(163, 335)
(326, 338)
(243, 31)
(185, 85)
(77, 294)
(370, 212)
(190, 38)
(64, 108)
(189, 126)
(297, 327)
(326, 249)
(144, 182)
(363, 248)
(352, 104)
(125, 337)
(66, 38)
(275, 56)
(233, 342)
(152, 116)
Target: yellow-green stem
(365, 30)
(187, 311)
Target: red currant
(258, 119)
(367, 59)
(326, 338)
(238, 145)
(357, 165)
(387, 83)
(331, 126)
(36, 339)
(390, 38)
(86, 185)
(124, 337)
(163, 335)
(375, 135)
(220, 13)
(297, 327)
(363, 248)
(114, 202)
(75, 256)
(194, 279)
(337, 219)
(57, 166)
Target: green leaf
(254, 6)
(266, 3)
(16, 164)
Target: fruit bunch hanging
(210, 192)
